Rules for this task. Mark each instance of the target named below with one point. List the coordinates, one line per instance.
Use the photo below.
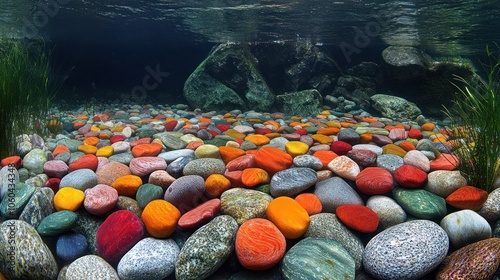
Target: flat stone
(81, 179)
(55, 168)
(186, 193)
(22, 193)
(170, 156)
(57, 223)
(420, 203)
(444, 182)
(172, 142)
(417, 159)
(292, 181)
(143, 166)
(389, 212)
(244, 204)
(307, 161)
(318, 258)
(204, 167)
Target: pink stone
(417, 159)
(161, 178)
(100, 199)
(398, 134)
(200, 215)
(344, 167)
(143, 166)
(111, 171)
(381, 140)
(241, 163)
(409, 176)
(374, 181)
(55, 168)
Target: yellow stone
(207, 151)
(118, 128)
(322, 139)
(296, 148)
(94, 128)
(258, 139)
(87, 149)
(188, 138)
(289, 216)
(325, 112)
(68, 198)
(106, 151)
(334, 124)
(394, 150)
(235, 134)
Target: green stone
(244, 204)
(172, 142)
(318, 258)
(57, 223)
(373, 130)
(420, 203)
(71, 144)
(148, 192)
(311, 129)
(15, 199)
(289, 129)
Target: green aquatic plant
(475, 117)
(26, 90)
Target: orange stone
(310, 202)
(358, 217)
(407, 146)
(331, 130)
(272, 159)
(216, 184)
(160, 218)
(147, 150)
(444, 162)
(60, 149)
(365, 138)
(289, 216)
(258, 139)
(229, 153)
(68, 198)
(127, 185)
(259, 244)
(16, 161)
(427, 126)
(325, 157)
(91, 141)
(467, 197)
(252, 177)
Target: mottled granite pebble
(318, 258)
(207, 249)
(149, 259)
(24, 253)
(491, 208)
(292, 181)
(389, 162)
(186, 193)
(128, 203)
(307, 161)
(389, 212)
(244, 204)
(40, 205)
(90, 267)
(204, 167)
(444, 182)
(406, 251)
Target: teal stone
(289, 129)
(420, 203)
(145, 131)
(15, 200)
(34, 161)
(38, 207)
(148, 192)
(318, 258)
(57, 223)
(123, 158)
(71, 144)
(311, 129)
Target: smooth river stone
(173, 155)
(335, 191)
(71, 246)
(389, 212)
(40, 205)
(204, 167)
(108, 173)
(389, 162)
(8, 176)
(81, 179)
(478, 261)
(146, 193)
(143, 166)
(290, 182)
(149, 259)
(420, 203)
(90, 267)
(207, 249)
(11, 207)
(24, 253)
(374, 180)
(491, 208)
(327, 225)
(465, 227)
(308, 161)
(417, 159)
(172, 142)
(186, 193)
(318, 258)
(406, 251)
(444, 182)
(34, 161)
(200, 214)
(244, 204)
(55, 168)
(100, 199)
(344, 167)
(57, 223)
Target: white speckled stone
(465, 227)
(344, 167)
(389, 212)
(149, 259)
(90, 267)
(406, 251)
(444, 182)
(491, 208)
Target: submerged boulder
(394, 107)
(301, 103)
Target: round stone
(186, 193)
(57, 223)
(244, 204)
(81, 179)
(100, 199)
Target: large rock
(228, 79)
(394, 107)
(405, 64)
(302, 103)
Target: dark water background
(109, 44)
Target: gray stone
(186, 193)
(207, 249)
(348, 135)
(334, 192)
(406, 251)
(149, 259)
(176, 167)
(15, 200)
(204, 167)
(292, 181)
(171, 141)
(37, 181)
(34, 161)
(71, 144)
(244, 204)
(38, 207)
(389, 162)
(318, 258)
(308, 161)
(128, 203)
(327, 225)
(389, 212)
(90, 267)
(170, 156)
(123, 158)
(394, 107)
(81, 179)
(465, 227)
(444, 182)
(28, 256)
(301, 103)
(491, 208)
(405, 64)
(87, 225)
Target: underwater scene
(226, 139)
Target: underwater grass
(25, 90)
(475, 117)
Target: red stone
(340, 147)
(235, 177)
(374, 181)
(467, 197)
(263, 130)
(223, 127)
(415, 133)
(117, 234)
(213, 133)
(358, 217)
(272, 159)
(241, 163)
(15, 160)
(259, 244)
(301, 131)
(117, 138)
(145, 140)
(444, 162)
(200, 214)
(410, 177)
(52, 183)
(88, 161)
(169, 126)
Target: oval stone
(204, 167)
(374, 180)
(186, 193)
(344, 167)
(55, 168)
(143, 166)
(290, 182)
(71, 246)
(147, 193)
(200, 214)
(420, 203)
(244, 204)
(93, 265)
(335, 191)
(57, 223)
(81, 179)
(100, 199)
(465, 227)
